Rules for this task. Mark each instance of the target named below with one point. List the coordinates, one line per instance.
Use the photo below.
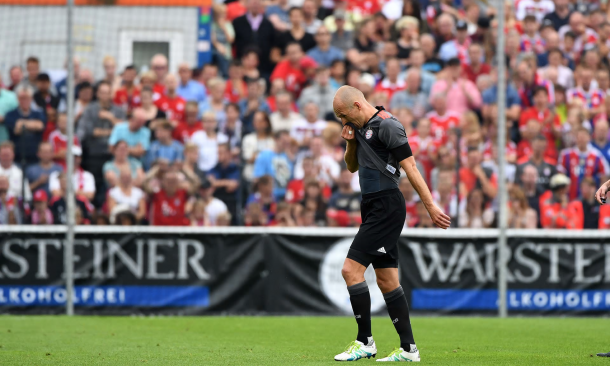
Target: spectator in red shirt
(148, 80)
(556, 211)
(476, 66)
(59, 140)
(128, 95)
(529, 133)
(236, 9)
(550, 123)
(391, 83)
(474, 176)
(185, 129)
(295, 190)
(441, 119)
(171, 103)
(159, 65)
(236, 88)
(170, 205)
(290, 69)
(411, 199)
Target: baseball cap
(77, 151)
(308, 62)
(559, 180)
(41, 196)
(461, 25)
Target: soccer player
(377, 148)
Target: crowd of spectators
(251, 138)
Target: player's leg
(353, 273)
(359, 297)
(398, 309)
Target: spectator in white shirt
(284, 117)
(255, 142)
(213, 206)
(329, 169)
(562, 75)
(304, 129)
(537, 8)
(83, 181)
(207, 141)
(125, 193)
(12, 172)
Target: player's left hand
(439, 218)
(600, 196)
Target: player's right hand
(348, 133)
(600, 196)
(439, 218)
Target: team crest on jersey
(368, 134)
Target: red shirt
(511, 149)
(411, 219)
(484, 69)
(184, 131)
(127, 99)
(439, 125)
(390, 88)
(169, 211)
(293, 77)
(235, 10)
(524, 151)
(604, 217)
(231, 93)
(173, 107)
(48, 129)
(273, 107)
(470, 180)
(554, 215)
(158, 91)
(59, 142)
(547, 130)
(423, 149)
(295, 191)
(364, 7)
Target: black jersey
(388, 140)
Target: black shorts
(383, 217)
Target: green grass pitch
(47, 340)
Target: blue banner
(143, 296)
(204, 41)
(543, 300)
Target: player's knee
(346, 272)
(386, 284)
(350, 274)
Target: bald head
(346, 96)
(350, 105)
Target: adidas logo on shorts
(382, 250)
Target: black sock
(361, 304)
(399, 313)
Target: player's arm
(600, 196)
(439, 218)
(351, 159)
